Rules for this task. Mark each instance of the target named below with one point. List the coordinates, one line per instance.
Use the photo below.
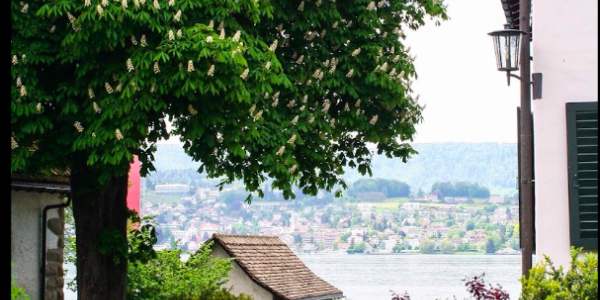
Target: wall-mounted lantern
(506, 48)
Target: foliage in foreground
(545, 281)
(17, 292)
(167, 277)
(476, 287)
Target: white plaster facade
(565, 51)
(26, 237)
(239, 282)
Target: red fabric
(133, 190)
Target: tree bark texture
(98, 209)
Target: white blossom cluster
(78, 126)
(24, 7)
(326, 105)
(292, 139)
(236, 36)
(118, 134)
(374, 120)
(73, 22)
(291, 103)
(279, 152)
(293, 168)
(108, 88)
(96, 107)
(13, 143)
(129, 65)
(244, 74)
(350, 73)
(192, 110)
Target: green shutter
(582, 145)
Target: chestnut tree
(291, 91)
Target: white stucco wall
(239, 282)
(25, 252)
(565, 51)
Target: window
(582, 147)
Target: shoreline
(416, 253)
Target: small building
(36, 239)
(173, 188)
(496, 199)
(266, 269)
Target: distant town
(374, 216)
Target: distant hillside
(172, 157)
(490, 164)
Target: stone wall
(54, 254)
(26, 246)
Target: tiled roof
(511, 12)
(272, 265)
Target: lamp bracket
(509, 75)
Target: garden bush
(545, 281)
(17, 292)
(166, 276)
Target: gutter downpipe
(44, 227)
(526, 167)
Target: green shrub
(17, 292)
(545, 281)
(166, 276)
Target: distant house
(36, 239)
(174, 188)
(266, 269)
(456, 200)
(496, 199)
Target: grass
(388, 205)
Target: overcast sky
(466, 99)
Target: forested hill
(492, 165)
(489, 164)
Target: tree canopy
(390, 188)
(460, 189)
(257, 89)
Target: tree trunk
(99, 210)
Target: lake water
(425, 277)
